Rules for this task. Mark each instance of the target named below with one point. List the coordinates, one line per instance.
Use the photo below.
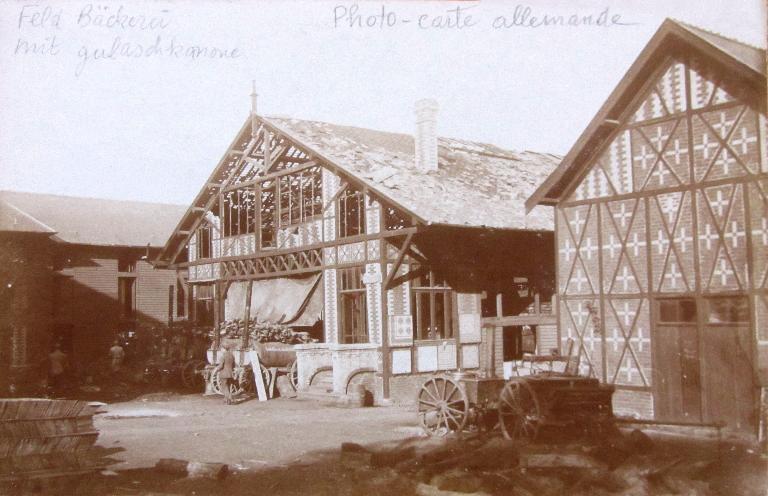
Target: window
(202, 299)
(126, 264)
(432, 307)
(727, 310)
(677, 310)
(517, 341)
(301, 197)
(126, 296)
(352, 306)
(351, 213)
(204, 241)
(239, 211)
(288, 200)
(181, 300)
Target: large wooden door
(728, 384)
(677, 388)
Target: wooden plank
(258, 379)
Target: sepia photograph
(432, 248)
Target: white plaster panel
(470, 356)
(469, 328)
(401, 361)
(446, 356)
(426, 358)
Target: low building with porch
(387, 248)
(76, 271)
(662, 234)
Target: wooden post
(247, 316)
(499, 329)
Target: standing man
(57, 367)
(117, 355)
(226, 369)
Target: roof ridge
(447, 138)
(715, 33)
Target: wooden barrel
(42, 438)
(275, 354)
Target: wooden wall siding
(675, 204)
(152, 291)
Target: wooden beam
(335, 196)
(398, 261)
(272, 175)
(520, 320)
(267, 149)
(247, 315)
(212, 199)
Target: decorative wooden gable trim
(261, 151)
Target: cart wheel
(519, 412)
(266, 375)
(293, 375)
(234, 387)
(244, 381)
(443, 406)
(191, 374)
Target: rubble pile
(628, 465)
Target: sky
(139, 100)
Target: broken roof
(88, 221)
(734, 57)
(476, 184)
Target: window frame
(351, 196)
(351, 287)
(659, 301)
(434, 286)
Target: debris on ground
(627, 465)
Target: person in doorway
(57, 368)
(117, 356)
(226, 370)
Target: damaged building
(386, 248)
(662, 229)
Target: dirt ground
(269, 433)
(300, 447)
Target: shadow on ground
(628, 464)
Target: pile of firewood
(260, 332)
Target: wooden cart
(274, 359)
(523, 407)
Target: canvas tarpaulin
(294, 301)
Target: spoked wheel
(191, 374)
(519, 412)
(234, 387)
(443, 406)
(293, 375)
(266, 375)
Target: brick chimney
(426, 135)
(254, 98)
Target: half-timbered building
(379, 244)
(662, 229)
